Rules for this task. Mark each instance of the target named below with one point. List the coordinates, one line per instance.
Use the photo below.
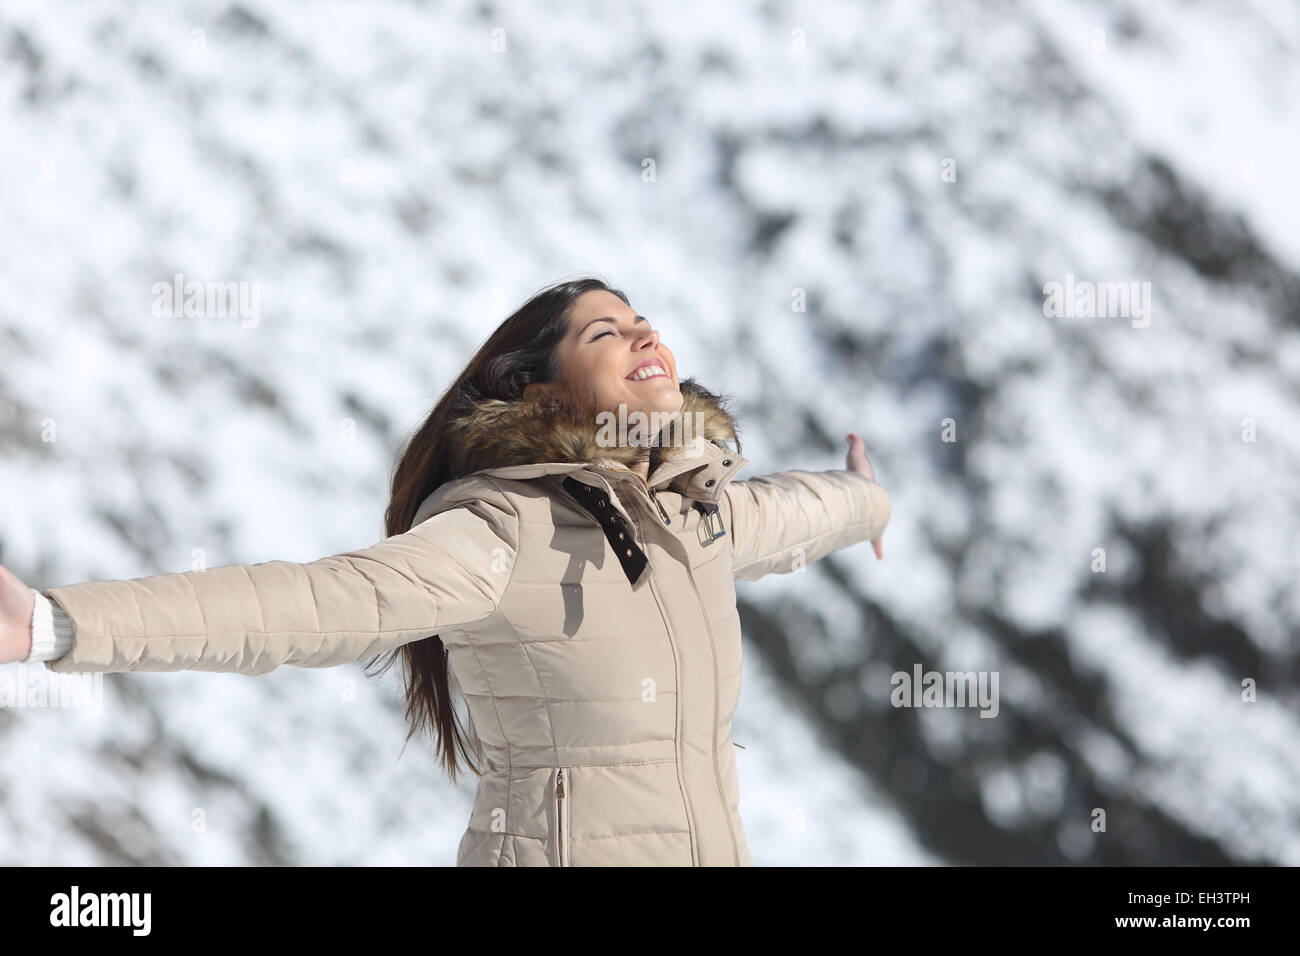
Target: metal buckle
(712, 521)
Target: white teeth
(650, 371)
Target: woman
(576, 579)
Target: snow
(397, 186)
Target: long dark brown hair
(521, 351)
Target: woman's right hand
(856, 460)
(16, 604)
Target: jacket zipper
(717, 775)
(560, 807)
(677, 736)
(653, 497)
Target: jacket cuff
(52, 630)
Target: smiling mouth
(648, 372)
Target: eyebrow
(609, 318)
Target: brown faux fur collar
(499, 433)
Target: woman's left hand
(857, 461)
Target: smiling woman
(582, 594)
(611, 359)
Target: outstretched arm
(447, 571)
(781, 522)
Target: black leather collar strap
(615, 526)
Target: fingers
(856, 459)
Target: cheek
(585, 380)
(608, 380)
(591, 370)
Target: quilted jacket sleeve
(449, 570)
(780, 522)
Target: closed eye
(603, 334)
(610, 320)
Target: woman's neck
(639, 463)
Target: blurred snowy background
(397, 177)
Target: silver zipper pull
(655, 498)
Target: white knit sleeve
(52, 630)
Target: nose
(651, 338)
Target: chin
(665, 398)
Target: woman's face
(605, 344)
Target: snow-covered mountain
(846, 216)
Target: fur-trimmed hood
(502, 435)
